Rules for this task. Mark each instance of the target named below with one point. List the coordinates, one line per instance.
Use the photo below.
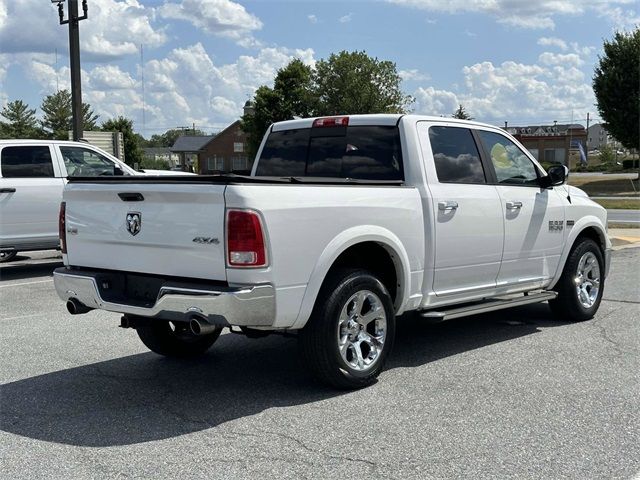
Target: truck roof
(42, 142)
(388, 119)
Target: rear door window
(358, 152)
(456, 155)
(26, 161)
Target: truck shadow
(143, 397)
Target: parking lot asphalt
(510, 394)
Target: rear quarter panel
(308, 226)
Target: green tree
(20, 122)
(290, 96)
(345, 83)
(354, 82)
(607, 155)
(616, 86)
(461, 113)
(168, 138)
(132, 149)
(57, 118)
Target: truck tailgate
(180, 229)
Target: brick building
(552, 143)
(226, 152)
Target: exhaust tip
(200, 326)
(195, 326)
(75, 307)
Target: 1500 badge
(556, 225)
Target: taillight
(245, 239)
(331, 122)
(62, 227)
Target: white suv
(32, 176)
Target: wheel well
(595, 235)
(375, 258)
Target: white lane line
(25, 283)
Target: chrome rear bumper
(250, 306)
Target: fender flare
(346, 239)
(579, 227)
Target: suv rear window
(26, 161)
(358, 152)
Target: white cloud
(188, 86)
(553, 42)
(620, 18)
(346, 18)
(115, 28)
(223, 18)
(430, 101)
(110, 77)
(516, 92)
(3, 15)
(568, 59)
(312, 19)
(529, 14)
(413, 75)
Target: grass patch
(603, 186)
(623, 225)
(633, 204)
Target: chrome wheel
(362, 330)
(587, 280)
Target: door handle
(448, 205)
(514, 205)
(7, 190)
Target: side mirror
(117, 170)
(556, 175)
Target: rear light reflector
(245, 239)
(331, 122)
(62, 227)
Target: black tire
(174, 339)
(568, 306)
(319, 339)
(7, 255)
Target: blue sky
(521, 61)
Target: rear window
(358, 152)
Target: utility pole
(73, 21)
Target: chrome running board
(488, 305)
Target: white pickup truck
(345, 224)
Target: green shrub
(153, 164)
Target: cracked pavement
(510, 394)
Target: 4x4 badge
(134, 222)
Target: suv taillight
(245, 239)
(62, 227)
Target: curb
(620, 242)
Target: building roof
(545, 130)
(191, 143)
(156, 150)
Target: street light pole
(74, 60)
